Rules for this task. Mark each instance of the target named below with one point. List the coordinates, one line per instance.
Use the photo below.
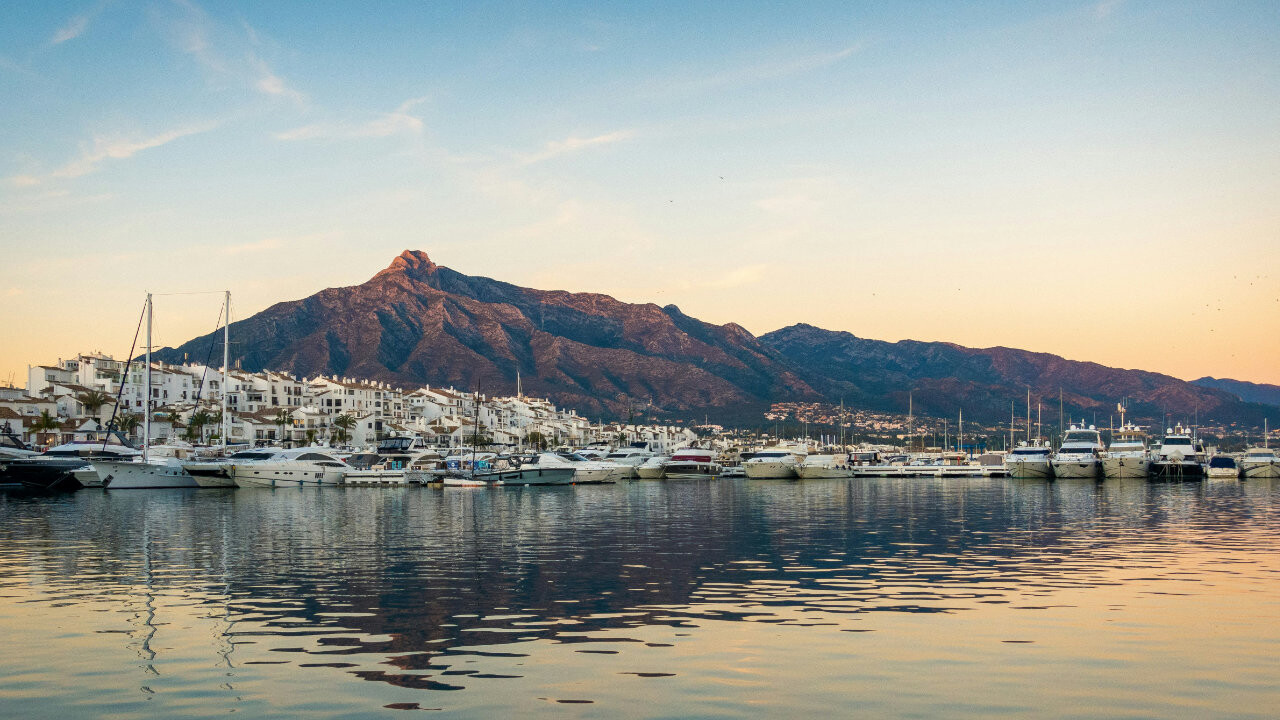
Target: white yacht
(161, 467)
(1259, 463)
(774, 463)
(1223, 466)
(548, 468)
(691, 463)
(1179, 456)
(653, 468)
(825, 466)
(630, 458)
(1128, 455)
(288, 468)
(1030, 461)
(1080, 454)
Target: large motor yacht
(1128, 456)
(287, 468)
(161, 466)
(1080, 454)
(775, 463)
(1030, 461)
(65, 467)
(1259, 463)
(654, 468)
(1179, 456)
(630, 458)
(691, 463)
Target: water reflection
(458, 590)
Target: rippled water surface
(730, 598)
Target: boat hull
(819, 472)
(650, 473)
(1125, 467)
(375, 477)
(770, 470)
(1171, 470)
(1075, 469)
(1259, 471)
(45, 475)
(281, 475)
(532, 476)
(117, 475)
(1028, 469)
(210, 474)
(690, 470)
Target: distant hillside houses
(270, 407)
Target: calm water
(731, 598)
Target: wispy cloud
(556, 148)
(396, 122)
(750, 73)
(103, 149)
(74, 28)
(1104, 9)
(740, 277)
(278, 242)
(223, 51)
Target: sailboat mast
(226, 367)
(146, 412)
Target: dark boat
(54, 470)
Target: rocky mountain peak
(413, 263)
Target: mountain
(1247, 391)
(946, 378)
(417, 322)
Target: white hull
(1223, 472)
(770, 470)
(138, 475)
(1075, 469)
(650, 473)
(586, 476)
(1029, 469)
(88, 476)
(284, 475)
(1258, 471)
(375, 477)
(466, 482)
(818, 472)
(1125, 467)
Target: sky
(1097, 180)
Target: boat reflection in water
(696, 598)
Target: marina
(695, 598)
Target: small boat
(1223, 466)
(161, 467)
(1259, 463)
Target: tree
(195, 425)
(46, 423)
(128, 424)
(342, 427)
(92, 401)
(311, 436)
(282, 419)
(536, 439)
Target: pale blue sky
(989, 173)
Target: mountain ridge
(416, 322)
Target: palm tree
(342, 427)
(128, 424)
(311, 436)
(282, 419)
(46, 423)
(195, 425)
(92, 401)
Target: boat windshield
(1222, 462)
(1177, 441)
(771, 454)
(248, 455)
(573, 457)
(1031, 451)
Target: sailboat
(150, 470)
